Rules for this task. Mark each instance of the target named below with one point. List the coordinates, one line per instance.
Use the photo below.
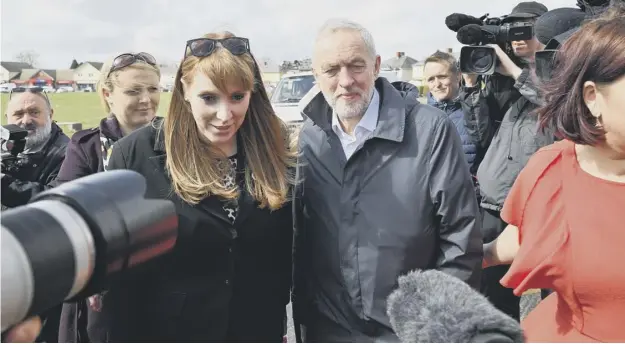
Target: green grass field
(80, 107)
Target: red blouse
(572, 240)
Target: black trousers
(500, 296)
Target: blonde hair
(108, 82)
(269, 154)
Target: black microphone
(470, 34)
(456, 21)
(433, 307)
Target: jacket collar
(109, 127)
(391, 119)
(448, 106)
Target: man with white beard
(37, 166)
(384, 189)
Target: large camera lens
(481, 60)
(478, 60)
(74, 240)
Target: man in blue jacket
(442, 75)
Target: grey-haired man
(385, 190)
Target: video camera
(476, 58)
(72, 241)
(12, 140)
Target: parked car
(290, 90)
(64, 89)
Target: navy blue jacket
(453, 109)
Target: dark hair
(594, 53)
(443, 57)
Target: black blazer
(222, 283)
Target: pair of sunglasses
(126, 59)
(202, 47)
(35, 90)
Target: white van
(288, 93)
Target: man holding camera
(32, 170)
(500, 119)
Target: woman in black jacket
(223, 157)
(130, 95)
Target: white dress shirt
(363, 129)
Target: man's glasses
(35, 90)
(202, 47)
(125, 60)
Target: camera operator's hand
(24, 332)
(470, 80)
(506, 66)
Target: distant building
(12, 70)
(401, 64)
(270, 71)
(65, 77)
(87, 74)
(33, 77)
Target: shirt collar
(368, 122)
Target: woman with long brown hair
(565, 211)
(223, 157)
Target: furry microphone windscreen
(433, 307)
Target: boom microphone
(456, 21)
(470, 34)
(73, 240)
(433, 307)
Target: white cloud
(60, 30)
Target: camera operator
(37, 166)
(500, 119)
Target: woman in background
(129, 93)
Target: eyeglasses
(35, 90)
(202, 47)
(125, 60)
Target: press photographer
(26, 173)
(498, 115)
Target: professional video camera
(74, 240)
(12, 141)
(477, 32)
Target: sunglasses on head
(125, 60)
(202, 47)
(35, 90)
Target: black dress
(228, 278)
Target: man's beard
(345, 110)
(40, 136)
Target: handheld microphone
(433, 307)
(456, 21)
(470, 34)
(75, 239)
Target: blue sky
(60, 30)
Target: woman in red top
(566, 210)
